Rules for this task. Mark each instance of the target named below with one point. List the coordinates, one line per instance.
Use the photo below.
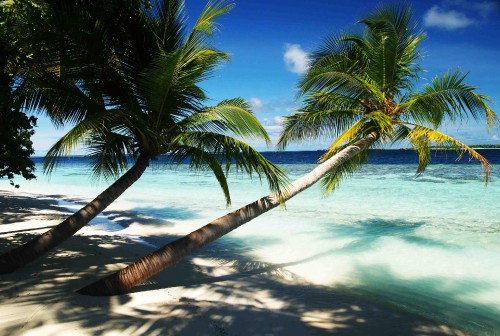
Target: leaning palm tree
(359, 90)
(131, 88)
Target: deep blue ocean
(385, 156)
(427, 244)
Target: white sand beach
(201, 295)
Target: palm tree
(130, 86)
(16, 128)
(358, 89)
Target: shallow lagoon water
(429, 244)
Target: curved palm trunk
(136, 273)
(40, 245)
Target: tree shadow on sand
(150, 216)
(27, 208)
(226, 293)
(365, 234)
(19, 208)
(261, 300)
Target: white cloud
(447, 19)
(278, 120)
(495, 137)
(274, 121)
(273, 126)
(295, 58)
(256, 104)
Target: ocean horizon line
(400, 156)
(38, 156)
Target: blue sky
(269, 41)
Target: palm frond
(200, 62)
(315, 124)
(422, 146)
(344, 170)
(201, 160)
(108, 153)
(390, 47)
(338, 78)
(337, 49)
(69, 142)
(382, 51)
(169, 19)
(116, 123)
(232, 115)
(376, 120)
(400, 133)
(158, 81)
(321, 100)
(206, 23)
(203, 29)
(170, 82)
(448, 96)
(227, 151)
(420, 134)
(62, 101)
(82, 63)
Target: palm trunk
(40, 245)
(155, 262)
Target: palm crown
(359, 84)
(130, 86)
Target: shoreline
(201, 294)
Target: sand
(210, 293)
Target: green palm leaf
(447, 96)
(86, 134)
(347, 168)
(202, 160)
(391, 50)
(70, 141)
(232, 115)
(337, 49)
(63, 101)
(206, 23)
(108, 153)
(315, 124)
(167, 20)
(228, 151)
(426, 135)
(339, 80)
(376, 120)
(420, 144)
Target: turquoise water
(429, 245)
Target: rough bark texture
(153, 263)
(40, 245)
